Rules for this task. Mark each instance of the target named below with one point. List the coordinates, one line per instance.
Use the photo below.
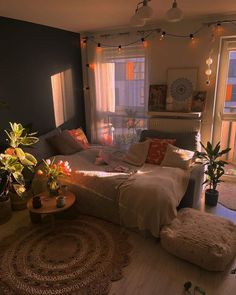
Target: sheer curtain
(119, 94)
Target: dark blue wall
(29, 55)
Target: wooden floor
(152, 271)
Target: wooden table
(49, 207)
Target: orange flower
(39, 172)
(10, 151)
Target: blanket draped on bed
(148, 199)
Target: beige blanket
(149, 198)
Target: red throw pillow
(78, 134)
(157, 150)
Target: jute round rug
(81, 256)
(227, 194)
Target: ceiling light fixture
(142, 13)
(174, 14)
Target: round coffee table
(49, 206)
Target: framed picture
(181, 82)
(157, 98)
(198, 101)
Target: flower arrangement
(14, 160)
(52, 171)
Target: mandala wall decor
(181, 85)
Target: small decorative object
(61, 201)
(181, 84)
(208, 71)
(157, 98)
(36, 202)
(12, 163)
(215, 170)
(52, 171)
(198, 101)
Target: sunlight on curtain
(121, 92)
(63, 96)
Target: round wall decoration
(181, 89)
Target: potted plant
(211, 157)
(12, 163)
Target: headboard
(185, 140)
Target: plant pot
(19, 203)
(211, 197)
(5, 211)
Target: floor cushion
(201, 238)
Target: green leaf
(29, 140)
(19, 189)
(20, 153)
(19, 177)
(31, 158)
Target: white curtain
(118, 93)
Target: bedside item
(61, 201)
(181, 84)
(36, 202)
(157, 98)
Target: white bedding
(147, 199)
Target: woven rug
(227, 194)
(81, 256)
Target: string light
(119, 48)
(191, 36)
(163, 34)
(145, 44)
(99, 48)
(208, 71)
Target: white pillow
(137, 153)
(176, 157)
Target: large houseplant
(212, 158)
(12, 163)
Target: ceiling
(94, 15)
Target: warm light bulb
(209, 61)
(208, 72)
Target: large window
(121, 95)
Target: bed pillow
(137, 153)
(78, 134)
(157, 150)
(42, 149)
(64, 143)
(176, 157)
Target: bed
(146, 197)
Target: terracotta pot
(17, 202)
(211, 197)
(5, 211)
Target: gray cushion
(42, 149)
(186, 140)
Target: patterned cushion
(157, 150)
(201, 238)
(79, 135)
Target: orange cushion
(157, 150)
(78, 134)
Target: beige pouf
(201, 238)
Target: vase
(53, 186)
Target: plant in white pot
(212, 158)
(12, 163)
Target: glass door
(225, 108)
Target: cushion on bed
(79, 135)
(42, 149)
(137, 153)
(157, 150)
(184, 140)
(176, 157)
(201, 238)
(64, 143)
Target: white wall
(175, 52)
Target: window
(121, 82)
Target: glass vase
(53, 186)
